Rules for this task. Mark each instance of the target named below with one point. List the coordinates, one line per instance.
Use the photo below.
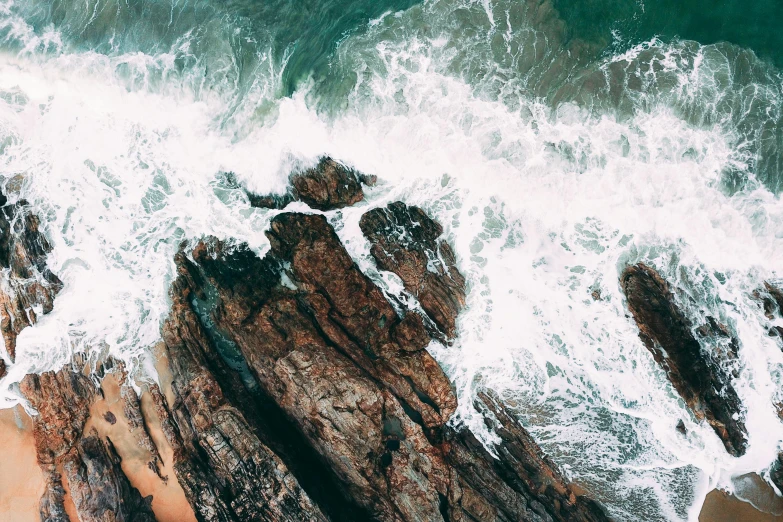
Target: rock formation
(327, 186)
(27, 286)
(693, 371)
(293, 390)
(354, 383)
(76, 459)
(406, 241)
(771, 300)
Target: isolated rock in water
(693, 372)
(354, 397)
(90, 467)
(406, 241)
(772, 299)
(27, 286)
(327, 186)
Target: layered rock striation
(352, 379)
(406, 241)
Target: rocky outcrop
(27, 286)
(693, 371)
(406, 241)
(79, 462)
(771, 299)
(306, 333)
(294, 390)
(227, 473)
(327, 186)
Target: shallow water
(554, 151)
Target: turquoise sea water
(556, 140)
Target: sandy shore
(21, 480)
(720, 506)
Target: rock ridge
(697, 376)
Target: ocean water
(557, 142)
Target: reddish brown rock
(295, 392)
(82, 462)
(406, 241)
(227, 473)
(27, 286)
(699, 379)
(353, 382)
(327, 186)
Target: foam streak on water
(550, 167)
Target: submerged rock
(27, 286)
(406, 241)
(327, 186)
(704, 385)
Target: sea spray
(550, 165)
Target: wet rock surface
(294, 391)
(27, 286)
(693, 371)
(770, 298)
(352, 380)
(406, 241)
(327, 186)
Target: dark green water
(751, 24)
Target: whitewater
(551, 166)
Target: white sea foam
(543, 208)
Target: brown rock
(697, 377)
(681, 427)
(227, 473)
(407, 242)
(351, 378)
(771, 298)
(27, 287)
(99, 490)
(294, 392)
(327, 186)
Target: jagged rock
(98, 488)
(304, 329)
(771, 298)
(694, 373)
(227, 473)
(327, 186)
(297, 393)
(406, 241)
(681, 427)
(27, 286)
